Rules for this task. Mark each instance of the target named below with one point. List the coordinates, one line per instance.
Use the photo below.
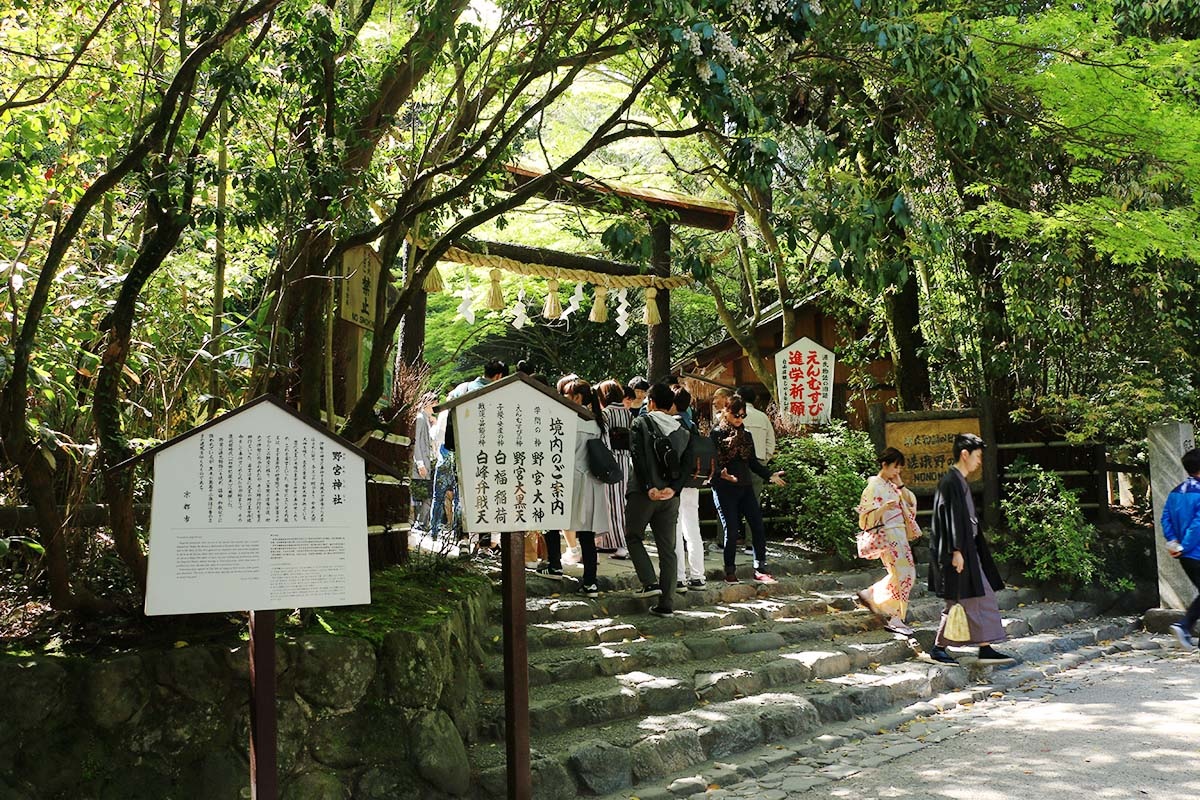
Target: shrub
(826, 474)
(1045, 528)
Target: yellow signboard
(927, 445)
(360, 285)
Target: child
(1181, 528)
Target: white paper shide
(259, 511)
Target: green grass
(411, 597)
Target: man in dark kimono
(961, 568)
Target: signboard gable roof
(581, 411)
(373, 461)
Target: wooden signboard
(514, 441)
(515, 449)
(926, 445)
(360, 285)
(804, 373)
(258, 510)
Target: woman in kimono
(887, 515)
(589, 501)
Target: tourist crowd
(655, 455)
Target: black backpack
(668, 450)
(703, 463)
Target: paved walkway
(1126, 725)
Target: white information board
(257, 511)
(516, 459)
(804, 372)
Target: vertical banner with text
(804, 375)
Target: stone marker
(1168, 442)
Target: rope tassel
(553, 308)
(652, 316)
(600, 305)
(495, 300)
(433, 282)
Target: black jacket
(954, 529)
(646, 473)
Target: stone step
(599, 759)
(562, 602)
(720, 667)
(624, 617)
(834, 753)
(627, 655)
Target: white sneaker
(1184, 637)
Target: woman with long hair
(589, 501)
(887, 517)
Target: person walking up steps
(887, 515)
(653, 496)
(961, 569)
(689, 547)
(1181, 528)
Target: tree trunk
(907, 340)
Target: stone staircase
(621, 700)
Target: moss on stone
(415, 598)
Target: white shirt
(762, 433)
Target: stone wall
(355, 721)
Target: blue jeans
(445, 479)
(734, 502)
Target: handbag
(871, 542)
(601, 463)
(957, 629)
(618, 438)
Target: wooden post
(658, 346)
(264, 773)
(991, 465)
(1100, 462)
(516, 667)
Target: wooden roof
(693, 212)
(519, 377)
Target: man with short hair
(961, 569)
(492, 371)
(720, 399)
(1181, 529)
(652, 498)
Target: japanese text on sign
(804, 371)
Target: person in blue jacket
(1181, 528)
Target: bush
(826, 474)
(1046, 531)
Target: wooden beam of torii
(602, 195)
(671, 207)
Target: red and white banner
(804, 372)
